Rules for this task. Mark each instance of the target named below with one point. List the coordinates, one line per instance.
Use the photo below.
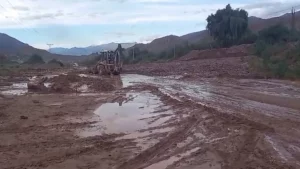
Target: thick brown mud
(154, 123)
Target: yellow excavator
(110, 62)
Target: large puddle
(14, 89)
(134, 113)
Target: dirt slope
(225, 62)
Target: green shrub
(54, 61)
(248, 38)
(279, 69)
(35, 59)
(275, 34)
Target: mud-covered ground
(150, 122)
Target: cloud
(76, 12)
(268, 8)
(148, 39)
(21, 8)
(42, 16)
(35, 13)
(143, 20)
(119, 34)
(261, 5)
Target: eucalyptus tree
(227, 26)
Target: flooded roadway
(164, 123)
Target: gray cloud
(149, 38)
(261, 5)
(120, 34)
(21, 8)
(200, 11)
(43, 16)
(270, 9)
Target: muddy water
(129, 116)
(15, 89)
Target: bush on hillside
(35, 59)
(248, 38)
(56, 62)
(90, 61)
(275, 34)
(281, 60)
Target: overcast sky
(69, 23)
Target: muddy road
(151, 122)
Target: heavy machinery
(110, 62)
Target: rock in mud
(5, 83)
(102, 85)
(35, 101)
(61, 88)
(37, 84)
(93, 70)
(62, 83)
(23, 117)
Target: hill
(161, 44)
(88, 50)
(255, 24)
(196, 36)
(17, 50)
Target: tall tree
(228, 25)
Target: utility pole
(174, 50)
(133, 53)
(293, 19)
(50, 45)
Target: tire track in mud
(54, 142)
(143, 159)
(72, 150)
(15, 130)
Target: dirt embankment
(228, 67)
(75, 83)
(225, 62)
(235, 51)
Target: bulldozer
(110, 62)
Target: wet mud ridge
(206, 138)
(153, 123)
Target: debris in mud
(102, 86)
(23, 117)
(73, 83)
(35, 101)
(5, 83)
(61, 87)
(37, 84)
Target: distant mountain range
(16, 50)
(13, 48)
(88, 50)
